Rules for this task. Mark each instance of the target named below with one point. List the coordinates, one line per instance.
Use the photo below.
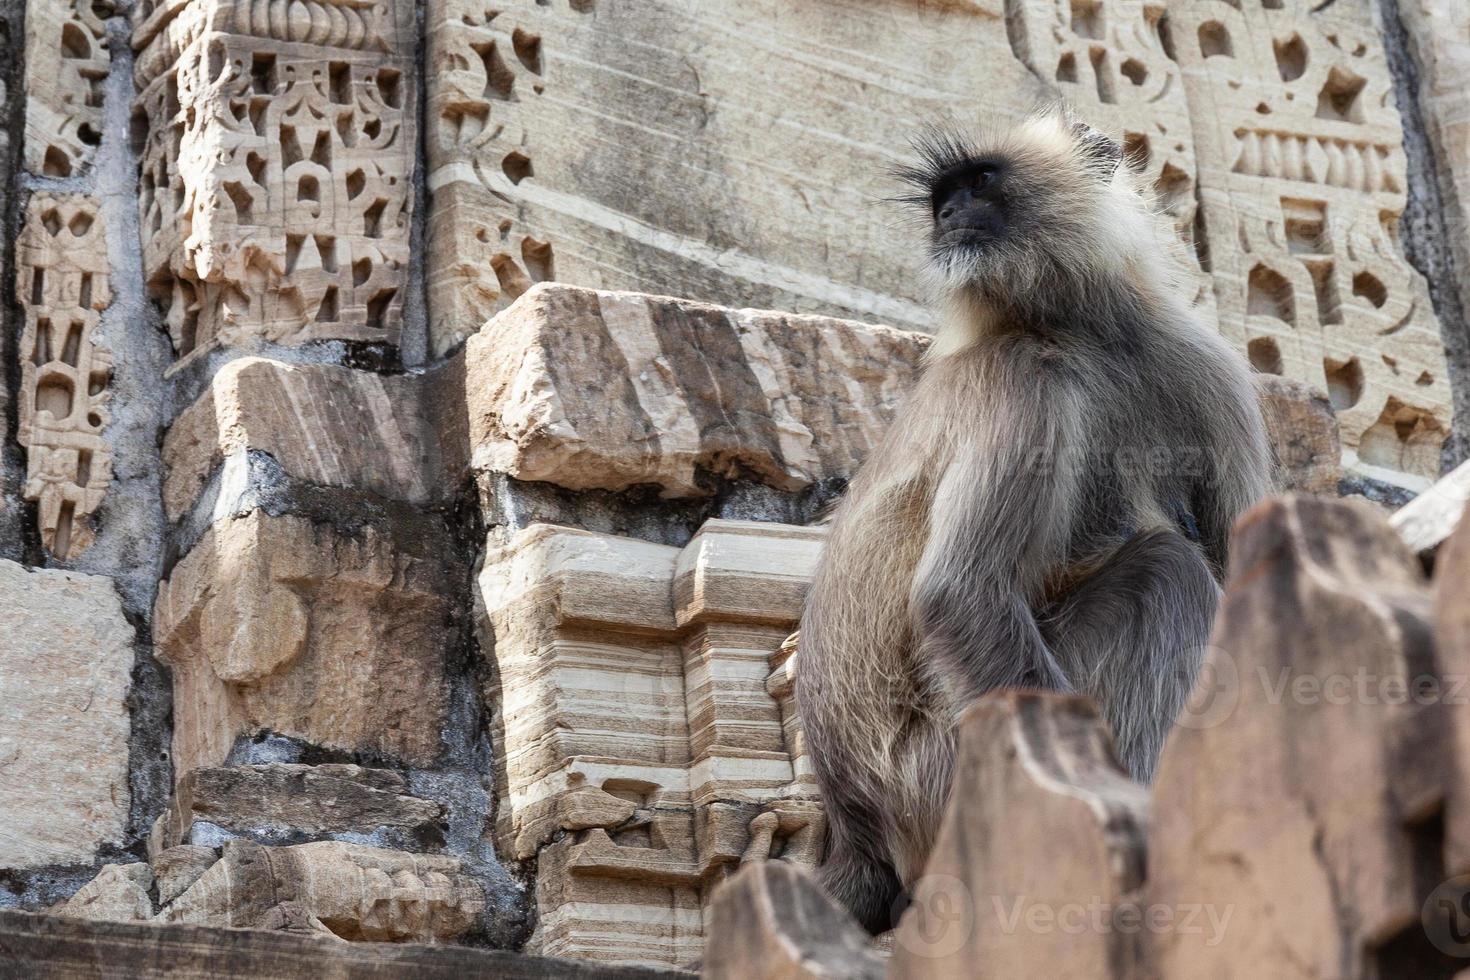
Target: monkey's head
(1037, 207)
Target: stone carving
(1301, 184)
(281, 624)
(355, 892)
(717, 171)
(643, 754)
(326, 888)
(275, 196)
(62, 286)
(66, 65)
(67, 661)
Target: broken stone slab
(683, 388)
(322, 424)
(1041, 819)
(1303, 434)
(773, 920)
(119, 893)
(1429, 519)
(66, 663)
(338, 638)
(73, 949)
(359, 893)
(1294, 804)
(287, 803)
(176, 868)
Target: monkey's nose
(947, 212)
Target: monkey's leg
(1133, 634)
(855, 870)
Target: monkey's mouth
(968, 235)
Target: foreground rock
(72, 949)
(66, 659)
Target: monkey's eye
(983, 176)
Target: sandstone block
(773, 920)
(1033, 770)
(683, 388)
(277, 623)
(1428, 520)
(278, 801)
(358, 893)
(634, 689)
(1303, 433)
(1302, 782)
(119, 893)
(71, 949)
(67, 661)
(326, 425)
(718, 172)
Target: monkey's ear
(1101, 154)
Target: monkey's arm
(1000, 518)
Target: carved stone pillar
(278, 153)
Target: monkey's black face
(969, 204)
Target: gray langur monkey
(1051, 508)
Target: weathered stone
(1293, 796)
(359, 893)
(176, 868)
(773, 920)
(327, 425)
(278, 802)
(70, 949)
(1429, 519)
(277, 159)
(683, 388)
(1032, 770)
(719, 172)
(1303, 433)
(119, 893)
(66, 64)
(62, 284)
(66, 661)
(634, 696)
(278, 623)
(1301, 185)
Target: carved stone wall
(649, 743)
(277, 165)
(1301, 185)
(730, 152)
(66, 65)
(62, 284)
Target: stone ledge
(75, 949)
